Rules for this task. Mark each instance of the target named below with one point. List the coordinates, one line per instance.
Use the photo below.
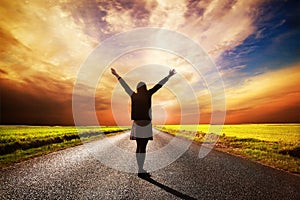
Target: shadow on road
(168, 189)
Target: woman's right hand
(172, 72)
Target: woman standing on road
(141, 115)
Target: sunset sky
(254, 44)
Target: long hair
(141, 87)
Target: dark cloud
(139, 11)
(7, 39)
(197, 8)
(41, 100)
(90, 14)
(193, 9)
(288, 114)
(3, 72)
(102, 103)
(29, 104)
(8, 42)
(84, 92)
(141, 14)
(46, 84)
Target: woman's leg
(141, 145)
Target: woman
(141, 115)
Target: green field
(22, 142)
(276, 145)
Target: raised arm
(126, 87)
(163, 81)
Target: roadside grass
(19, 143)
(276, 145)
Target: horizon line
(153, 124)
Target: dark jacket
(141, 100)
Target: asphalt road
(75, 173)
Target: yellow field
(276, 145)
(22, 142)
(289, 133)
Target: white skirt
(141, 129)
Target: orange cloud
(44, 43)
(36, 103)
(273, 96)
(270, 97)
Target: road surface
(74, 173)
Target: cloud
(102, 19)
(44, 43)
(216, 25)
(42, 38)
(221, 25)
(42, 100)
(30, 104)
(269, 96)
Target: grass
(276, 145)
(19, 143)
